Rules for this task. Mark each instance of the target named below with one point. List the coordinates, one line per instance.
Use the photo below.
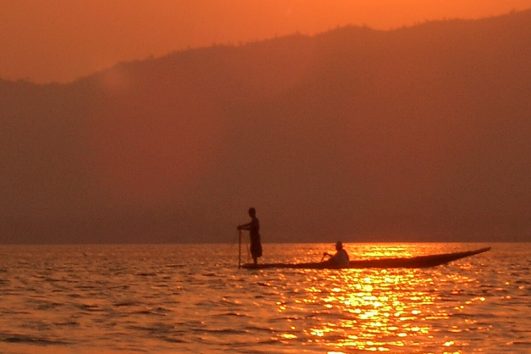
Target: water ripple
(169, 299)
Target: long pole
(239, 248)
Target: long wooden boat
(411, 262)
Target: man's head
(339, 245)
(252, 212)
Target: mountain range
(420, 133)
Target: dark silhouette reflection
(254, 233)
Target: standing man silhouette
(254, 233)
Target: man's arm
(245, 226)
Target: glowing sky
(59, 40)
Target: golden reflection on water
(382, 310)
(384, 314)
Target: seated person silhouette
(340, 259)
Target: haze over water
(192, 298)
(414, 134)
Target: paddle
(239, 248)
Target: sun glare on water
(168, 299)
(375, 310)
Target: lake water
(194, 299)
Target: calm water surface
(192, 298)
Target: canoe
(411, 262)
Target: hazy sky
(59, 40)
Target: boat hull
(412, 262)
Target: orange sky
(59, 40)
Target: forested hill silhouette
(420, 133)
